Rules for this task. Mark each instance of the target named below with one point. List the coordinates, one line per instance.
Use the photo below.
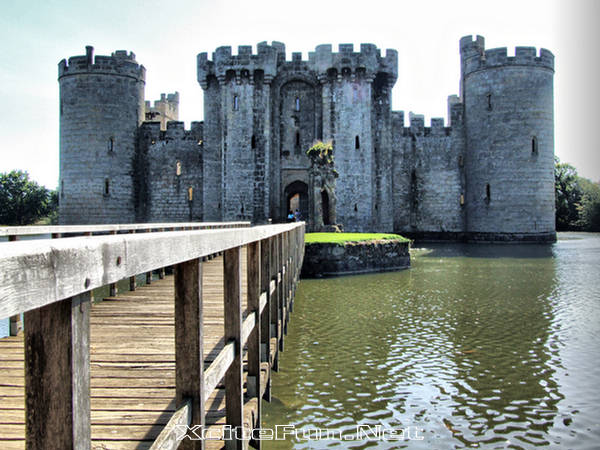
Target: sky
(166, 37)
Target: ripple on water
(478, 346)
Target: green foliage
(568, 195)
(342, 238)
(321, 152)
(22, 201)
(589, 207)
(577, 200)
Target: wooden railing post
(189, 337)
(265, 323)
(232, 292)
(57, 375)
(288, 280)
(254, 342)
(281, 291)
(132, 280)
(113, 286)
(274, 301)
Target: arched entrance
(296, 198)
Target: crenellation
(119, 63)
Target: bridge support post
(265, 323)
(57, 375)
(189, 340)
(254, 341)
(232, 292)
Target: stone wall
(174, 161)
(427, 168)
(321, 260)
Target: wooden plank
(232, 291)
(57, 375)
(189, 345)
(171, 436)
(29, 270)
(218, 368)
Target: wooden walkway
(133, 363)
(132, 366)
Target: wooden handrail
(76, 229)
(36, 273)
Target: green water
(476, 346)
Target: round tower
(101, 107)
(509, 126)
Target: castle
(487, 175)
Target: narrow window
(62, 188)
(534, 145)
(190, 194)
(178, 168)
(355, 207)
(253, 142)
(111, 144)
(487, 193)
(489, 102)
(106, 186)
(460, 161)
(462, 199)
(297, 103)
(242, 210)
(236, 104)
(356, 142)
(297, 139)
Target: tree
(22, 201)
(568, 196)
(589, 207)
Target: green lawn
(341, 238)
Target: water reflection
(469, 345)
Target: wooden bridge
(159, 366)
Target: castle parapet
(475, 57)
(368, 61)
(244, 64)
(151, 131)
(119, 63)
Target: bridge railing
(15, 233)
(51, 281)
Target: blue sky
(167, 36)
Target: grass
(342, 238)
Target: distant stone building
(488, 175)
(164, 110)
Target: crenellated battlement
(119, 63)
(346, 61)
(475, 57)
(152, 133)
(366, 63)
(416, 125)
(243, 65)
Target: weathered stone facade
(486, 176)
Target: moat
(478, 346)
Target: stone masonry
(485, 176)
